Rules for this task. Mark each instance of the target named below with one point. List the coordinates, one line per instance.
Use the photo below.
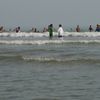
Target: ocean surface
(33, 67)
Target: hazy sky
(40, 13)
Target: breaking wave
(42, 38)
(40, 42)
(31, 34)
(49, 59)
(60, 60)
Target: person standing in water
(90, 28)
(50, 30)
(98, 28)
(60, 31)
(77, 28)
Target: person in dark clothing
(90, 28)
(50, 30)
(77, 28)
(17, 29)
(98, 28)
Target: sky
(40, 13)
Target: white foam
(82, 34)
(40, 42)
(42, 59)
(23, 34)
(58, 59)
(74, 34)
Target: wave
(82, 34)
(49, 59)
(40, 42)
(60, 60)
(22, 34)
(46, 34)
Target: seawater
(32, 67)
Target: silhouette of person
(90, 28)
(77, 28)
(50, 30)
(98, 28)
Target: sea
(34, 67)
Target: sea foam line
(22, 34)
(55, 59)
(31, 34)
(39, 42)
(82, 34)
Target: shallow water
(49, 71)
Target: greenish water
(52, 71)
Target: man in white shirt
(60, 31)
